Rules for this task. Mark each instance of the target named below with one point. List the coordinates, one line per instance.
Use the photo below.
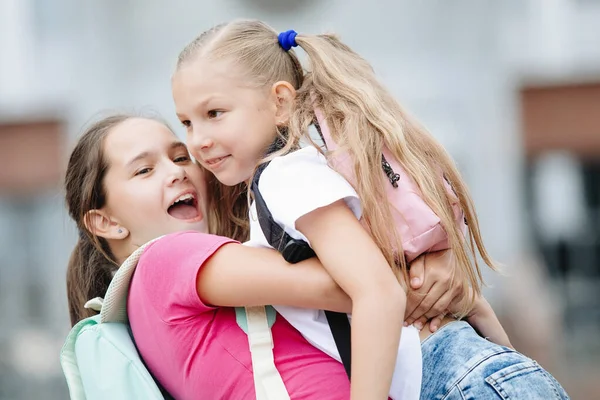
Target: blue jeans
(458, 364)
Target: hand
(436, 284)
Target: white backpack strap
(94, 304)
(114, 304)
(267, 380)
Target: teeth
(215, 160)
(184, 198)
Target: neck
(121, 249)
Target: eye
(143, 171)
(212, 114)
(182, 159)
(186, 123)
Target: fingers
(441, 299)
(413, 301)
(415, 297)
(435, 322)
(437, 312)
(440, 306)
(432, 297)
(420, 323)
(417, 273)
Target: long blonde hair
(363, 118)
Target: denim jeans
(458, 364)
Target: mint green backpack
(100, 360)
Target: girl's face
(229, 124)
(152, 186)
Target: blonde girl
(238, 89)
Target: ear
(99, 223)
(284, 94)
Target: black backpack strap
(340, 329)
(294, 251)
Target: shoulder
(296, 169)
(307, 155)
(300, 182)
(180, 245)
(176, 258)
(166, 275)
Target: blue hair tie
(287, 39)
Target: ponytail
(364, 118)
(88, 275)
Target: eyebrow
(204, 102)
(201, 104)
(178, 145)
(175, 145)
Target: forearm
(238, 275)
(376, 327)
(484, 320)
(355, 262)
(315, 288)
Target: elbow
(396, 296)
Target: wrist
(481, 308)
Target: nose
(176, 173)
(198, 141)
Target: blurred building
(512, 89)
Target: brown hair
(227, 209)
(92, 264)
(363, 118)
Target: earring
(120, 230)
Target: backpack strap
(269, 384)
(294, 251)
(256, 322)
(114, 304)
(68, 359)
(330, 144)
(291, 249)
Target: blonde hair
(363, 118)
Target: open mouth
(184, 207)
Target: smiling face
(152, 186)
(229, 124)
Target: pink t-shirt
(199, 352)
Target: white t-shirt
(292, 186)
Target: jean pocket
(526, 380)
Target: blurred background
(511, 88)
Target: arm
(484, 320)
(354, 261)
(237, 275)
(437, 294)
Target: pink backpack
(416, 223)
